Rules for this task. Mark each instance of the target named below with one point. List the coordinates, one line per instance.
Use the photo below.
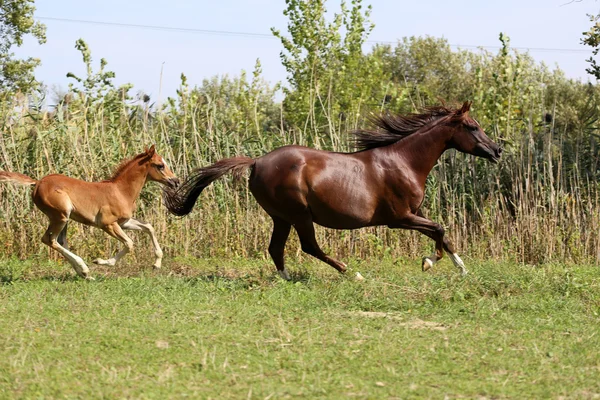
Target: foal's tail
(181, 200)
(15, 177)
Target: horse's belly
(342, 215)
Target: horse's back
(333, 187)
(62, 194)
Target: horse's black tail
(181, 200)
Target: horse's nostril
(499, 151)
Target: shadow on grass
(206, 271)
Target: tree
(592, 38)
(16, 21)
(329, 77)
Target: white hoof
(359, 277)
(427, 264)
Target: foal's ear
(465, 107)
(151, 151)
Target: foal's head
(468, 136)
(158, 170)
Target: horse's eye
(472, 128)
(160, 167)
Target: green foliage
(330, 79)
(592, 38)
(16, 21)
(540, 204)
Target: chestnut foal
(108, 205)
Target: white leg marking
(284, 274)
(429, 262)
(458, 263)
(76, 261)
(135, 225)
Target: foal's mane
(392, 128)
(125, 163)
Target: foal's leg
(281, 231)
(135, 225)
(49, 239)
(62, 237)
(436, 232)
(115, 231)
(306, 233)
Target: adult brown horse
(108, 205)
(382, 184)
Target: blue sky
(136, 55)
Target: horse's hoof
(284, 274)
(358, 277)
(90, 278)
(427, 264)
(100, 261)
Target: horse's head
(469, 138)
(158, 170)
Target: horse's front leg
(134, 224)
(115, 231)
(436, 232)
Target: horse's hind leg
(115, 231)
(50, 239)
(62, 237)
(135, 225)
(281, 231)
(306, 233)
(456, 260)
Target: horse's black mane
(392, 128)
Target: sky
(550, 28)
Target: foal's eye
(471, 128)
(160, 167)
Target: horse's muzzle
(173, 183)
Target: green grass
(231, 329)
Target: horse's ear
(151, 151)
(465, 107)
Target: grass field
(231, 329)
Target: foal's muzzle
(173, 183)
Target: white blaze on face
(164, 163)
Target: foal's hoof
(90, 278)
(427, 264)
(101, 261)
(358, 277)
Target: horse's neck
(131, 181)
(421, 150)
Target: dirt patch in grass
(414, 323)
